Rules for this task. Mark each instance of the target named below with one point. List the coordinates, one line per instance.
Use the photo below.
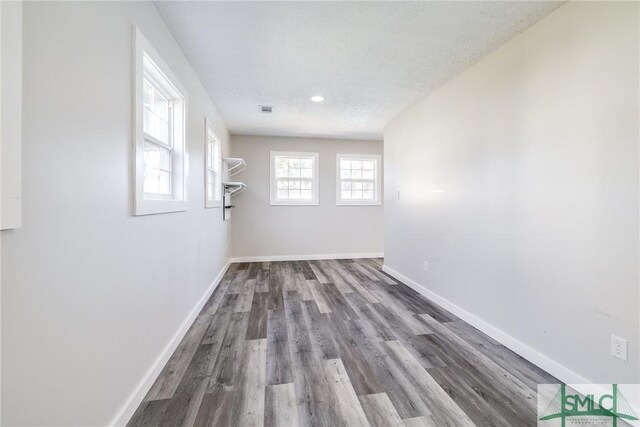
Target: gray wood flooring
(335, 343)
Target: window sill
(377, 203)
(152, 207)
(292, 203)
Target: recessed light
(317, 98)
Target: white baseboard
(543, 361)
(135, 399)
(559, 371)
(305, 257)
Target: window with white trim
(160, 104)
(358, 179)
(213, 165)
(294, 178)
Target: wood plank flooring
(335, 343)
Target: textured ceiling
(369, 60)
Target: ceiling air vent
(267, 109)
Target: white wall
(261, 230)
(91, 294)
(519, 184)
(11, 106)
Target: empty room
(319, 213)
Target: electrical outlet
(398, 194)
(619, 347)
(426, 266)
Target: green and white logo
(596, 405)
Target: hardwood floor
(336, 343)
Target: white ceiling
(370, 60)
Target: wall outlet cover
(619, 347)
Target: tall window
(160, 134)
(358, 179)
(213, 183)
(294, 178)
(158, 139)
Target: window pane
(367, 164)
(217, 157)
(147, 94)
(214, 186)
(155, 113)
(217, 188)
(358, 179)
(165, 182)
(156, 156)
(281, 167)
(210, 155)
(294, 177)
(157, 181)
(305, 194)
(293, 167)
(157, 169)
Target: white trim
(542, 361)
(1, 145)
(378, 180)
(315, 191)
(559, 371)
(305, 257)
(135, 399)
(150, 207)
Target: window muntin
(294, 178)
(160, 134)
(213, 176)
(157, 169)
(157, 106)
(358, 179)
(157, 128)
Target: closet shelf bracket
(235, 165)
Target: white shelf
(234, 188)
(235, 165)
